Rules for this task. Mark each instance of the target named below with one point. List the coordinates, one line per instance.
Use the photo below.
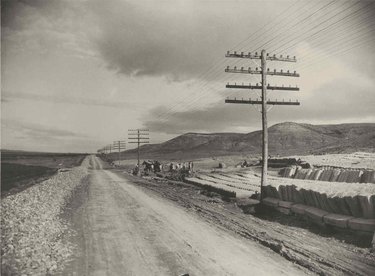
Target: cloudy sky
(76, 74)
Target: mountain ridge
(286, 138)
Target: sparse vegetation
(16, 177)
(20, 170)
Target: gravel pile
(31, 228)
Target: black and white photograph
(187, 137)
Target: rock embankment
(31, 228)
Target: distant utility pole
(264, 71)
(141, 135)
(109, 148)
(119, 145)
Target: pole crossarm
(136, 130)
(242, 55)
(281, 58)
(242, 70)
(257, 86)
(250, 101)
(263, 71)
(281, 73)
(257, 56)
(257, 71)
(139, 136)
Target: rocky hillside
(284, 138)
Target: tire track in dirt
(322, 255)
(126, 231)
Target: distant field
(19, 177)
(50, 160)
(20, 170)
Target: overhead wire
(298, 23)
(221, 71)
(208, 73)
(328, 29)
(327, 20)
(192, 102)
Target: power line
(283, 24)
(296, 24)
(207, 87)
(314, 27)
(202, 94)
(343, 50)
(335, 26)
(223, 60)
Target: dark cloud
(139, 41)
(14, 13)
(322, 106)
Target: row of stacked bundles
(330, 174)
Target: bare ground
(123, 229)
(131, 226)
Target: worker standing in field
(191, 166)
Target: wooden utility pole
(141, 135)
(264, 124)
(119, 145)
(264, 71)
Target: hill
(284, 139)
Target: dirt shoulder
(319, 253)
(31, 227)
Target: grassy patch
(50, 160)
(17, 177)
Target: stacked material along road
(358, 160)
(230, 182)
(358, 167)
(289, 172)
(332, 175)
(352, 199)
(368, 177)
(343, 198)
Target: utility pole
(108, 148)
(263, 181)
(119, 145)
(141, 135)
(264, 71)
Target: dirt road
(125, 231)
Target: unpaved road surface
(125, 230)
